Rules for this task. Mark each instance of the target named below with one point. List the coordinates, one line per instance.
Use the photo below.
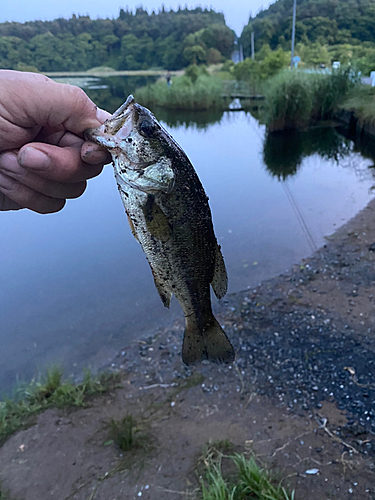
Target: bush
(254, 70)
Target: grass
(238, 477)
(296, 99)
(202, 94)
(50, 391)
(363, 103)
(124, 433)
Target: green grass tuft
(244, 478)
(126, 434)
(50, 391)
(123, 432)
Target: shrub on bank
(296, 99)
(202, 94)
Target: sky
(236, 12)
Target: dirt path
(301, 395)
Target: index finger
(41, 102)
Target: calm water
(76, 286)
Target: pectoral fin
(156, 221)
(219, 282)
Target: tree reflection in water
(283, 152)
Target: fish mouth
(121, 122)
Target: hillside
(133, 41)
(322, 22)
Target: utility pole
(293, 32)
(252, 46)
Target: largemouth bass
(169, 215)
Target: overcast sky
(236, 12)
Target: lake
(76, 286)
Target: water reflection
(200, 120)
(283, 152)
(362, 143)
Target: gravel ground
(301, 394)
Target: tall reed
(296, 99)
(205, 93)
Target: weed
(236, 477)
(123, 433)
(49, 391)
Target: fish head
(141, 149)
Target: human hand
(44, 158)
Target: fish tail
(209, 342)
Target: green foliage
(133, 41)
(313, 54)
(325, 22)
(236, 477)
(50, 390)
(204, 93)
(194, 54)
(295, 99)
(268, 64)
(228, 65)
(193, 71)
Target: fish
(169, 215)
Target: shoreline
(106, 74)
(300, 395)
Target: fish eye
(146, 128)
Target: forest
(326, 30)
(133, 41)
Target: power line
(300, 218)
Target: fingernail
(102, 115)
(94, 155)
(30, 157)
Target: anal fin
(163, 290)
(219, 282)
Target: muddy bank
(301, 394)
